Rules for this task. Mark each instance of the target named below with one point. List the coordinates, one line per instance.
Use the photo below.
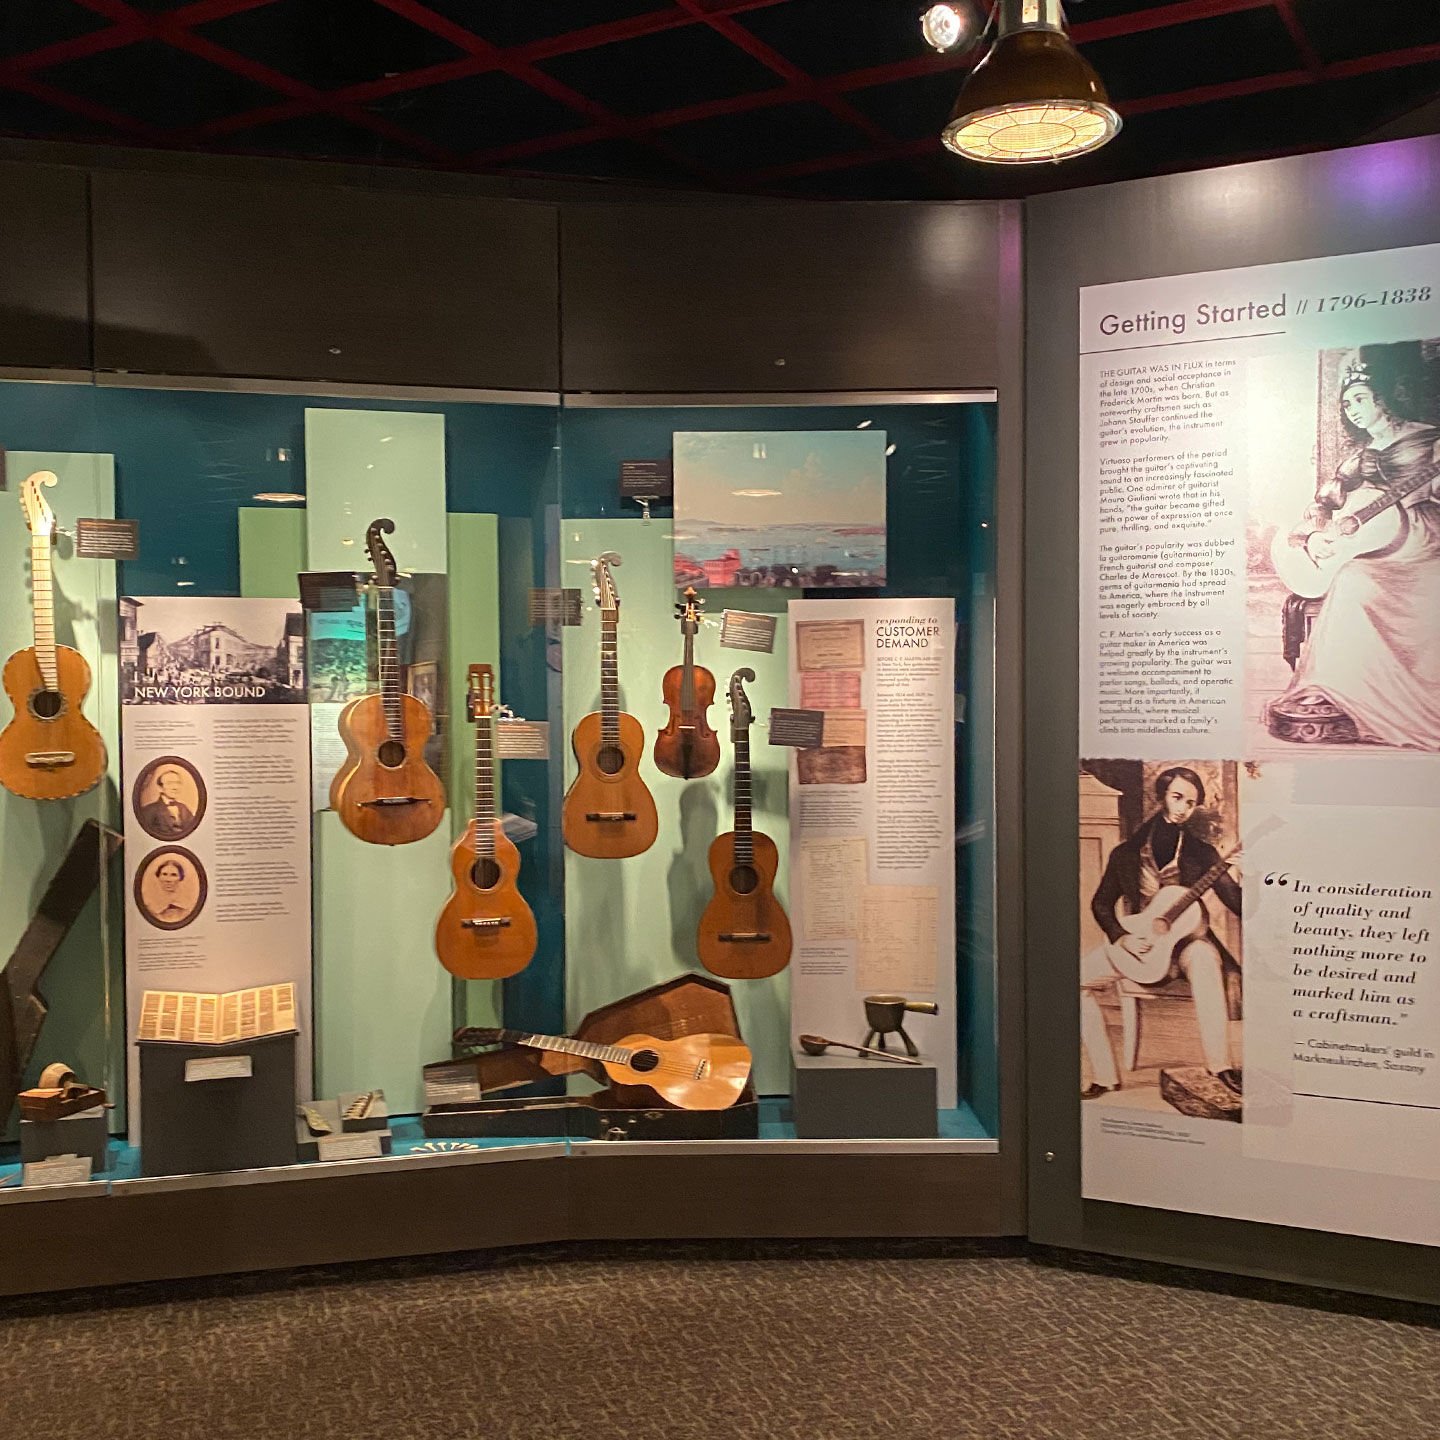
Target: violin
(687, 747)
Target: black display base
(838, 1097)
(85, 1133)
(588, 1117)
(192, 1127)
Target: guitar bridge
(609, 816)
(486, 922)
(746, 937)
(49, 759)
(387, 800)
(702, 1069)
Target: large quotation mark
(1274, 878)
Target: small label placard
(107, 539)
(58, 1170)
(555, 607)
(805, 729)
(742, 630)
(845, 727)
(522, 739)
(219, 1067)
(329, 592)
(452, 1085)
(647, 479)
(364, 1146)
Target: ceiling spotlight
(943, 27)
(1034, 97)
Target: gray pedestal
(84, 1133)
(189, 1126)
(341, 1143)
(835, 1097)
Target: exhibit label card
(1260, 667)
(216, 752)
(872, 819)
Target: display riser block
(838, 1097)
(84, 1133)
(586, 1117)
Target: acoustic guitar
(1372, 521)
(388, 794)
(609, 812)
(49, 751)
(687, 747)
(744, 931)
(486, 930)
(695, 1072)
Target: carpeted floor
(806, 1342)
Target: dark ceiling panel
(1342, 31)
(516, 22)
(24, 115)
(479, 112)
(153, 82)
(320, 137)
(662, 72)
(783, 133)
(32, 24)
(611, 160)
(330, 43)
(910, 109)
(826, 39)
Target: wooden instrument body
(488, 951)
(371, 782)
(744, 905)
(609, 784)
(68, 732)
(352, 755)
(1382, 532)
(687, 747)
(1166, 938)
(695, 1072)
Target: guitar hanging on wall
(385, 793)
(695, 1072)
(486, 930)
(609, 812)
(744, 932)
(687, 747)
(49, 751)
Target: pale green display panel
(82, 983)
(382, 1001)
(272, 553)
(631, 923)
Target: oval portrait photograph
(170, 887)
(169, 798)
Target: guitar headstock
(480, 699)
(607, 597)
(687, 611)
(740, 713)
(473, 1035)
(382, 562)
(38, 514)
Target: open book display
(217, 1019)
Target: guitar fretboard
(564, 1045)
(485, 786)
(389, 660)
(610, 677)
(1204, 883)
(1392, 496)
(744, 837)
(43, 601)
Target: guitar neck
(485, 786)
(744, 830)
(43, 602)
(1205, 882)
(389, 658)
(610, 677)
(563, 1045)
(1393, 495)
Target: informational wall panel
(1259, 743)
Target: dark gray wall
(44, 267)
(1373, 198)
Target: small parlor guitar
(744, 932)
(608, 813)
(486, 930)
(386, 794)
(687, 747)
(695, 1072)
(49, 751)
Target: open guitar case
(461, 1098)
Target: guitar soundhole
(46, 704)
(485, 873)
(743, 879)
(610, 759)
(644, 1061)
(390, 754)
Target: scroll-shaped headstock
(382, 562)
(38, 514)
(607, 597)
(687, 611)
(740, 714)
(480, 698)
